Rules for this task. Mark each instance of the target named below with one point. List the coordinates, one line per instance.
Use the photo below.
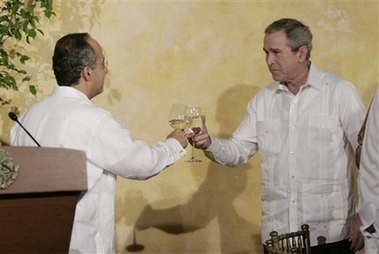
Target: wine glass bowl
(178, 118)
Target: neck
(295, 84)
(83, 89)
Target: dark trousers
(341, 247)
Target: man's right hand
(180, 136)
(202, 140)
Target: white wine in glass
(194, 125)
(178, 116)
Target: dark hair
(298, 34)
(71, 54)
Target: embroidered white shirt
(306, 142)
(368, 180)
(68, 119)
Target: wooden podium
(37, 210)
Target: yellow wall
(206, 54)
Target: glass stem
(193, 147)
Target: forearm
(230, 152)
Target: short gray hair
(298, 34)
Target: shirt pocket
(322, 203)
(322, 131)
(274, 207)
(269, 140)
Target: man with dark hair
(68, 119)
(305, 125)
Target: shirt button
(292, 152)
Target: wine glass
(178, 116)
(194, 125)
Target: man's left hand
(356, 237)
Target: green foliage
(19, 20)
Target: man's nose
(270, 59)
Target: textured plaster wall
(206, 54)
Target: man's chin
(277, 78)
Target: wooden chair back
(288, 243)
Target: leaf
(24, 58)
(27, 78)
(18, 19)
(3, 18)
(17, 34)
(21, 71)
(13, 83)
(39, 30)
(32, 33)
(32, 89)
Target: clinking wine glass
(178, 116)
(194, 125)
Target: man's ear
(86, 73)
(303, 51)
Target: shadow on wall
(214, 198)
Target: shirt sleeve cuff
(176, 147)
(212, 149)
(370, 218)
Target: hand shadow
(216, 195)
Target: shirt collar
(312, 80)
(68, 91)
(314, 77)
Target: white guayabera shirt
(306, 142)
(368, 180)
(68, 119)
